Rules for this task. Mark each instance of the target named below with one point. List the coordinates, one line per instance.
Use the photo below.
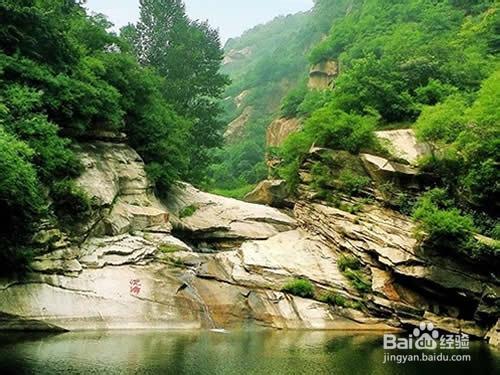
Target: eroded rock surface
(237, 127)
(126, 270)
(279, 130)
(269, 192)
(207, 216)
(403, 144)
(116, 181)
(322, 75)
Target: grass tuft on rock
(299, 287)
(188, 211)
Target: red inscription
(135, 286)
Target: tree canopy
(64, 75)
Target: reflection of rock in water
(237, 352)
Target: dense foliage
(63, 77)
(432, 63)
(264, 64)
(190, 64)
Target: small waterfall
(191, 289)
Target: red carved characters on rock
(135, 286)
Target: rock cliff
(198, 260)
(323, 74)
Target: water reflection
(245, 352)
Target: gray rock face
(269, 192)
(115, 179)
(132, 273)
(403, 144)
(219, 219)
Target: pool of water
(239, 352)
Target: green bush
(351, 268)
(352, 183)
(328, 128)
(348, 262)
(334, 299)
(443, 224)
(71, 203)
(168, 249)
(188, 211)
(299, 287)
(466, 138)
(442, 122)
(291, 102)
(338, 130)
(321, 177)
(22, 201)
(236, 193)
(358, 280)
(446, 228)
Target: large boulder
(269, 192)
(205, 216)
(403, 144)
(383, 170)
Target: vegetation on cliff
(264, 64)
(64, 77)
(434, 64)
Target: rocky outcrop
(382, 170)
(125, 270)
(403, 144)
(280, 129)
(236, 128)
(131, 282)
(269, 192)
(401, 280)
(323, 74)
(247, 282)
(238, 100)
(236, 55)
(122, 195)
(203, 216)
(407, 284)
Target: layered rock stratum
(196, 260)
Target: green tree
(21, 199)
(188, 55)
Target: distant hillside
(264, 64)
